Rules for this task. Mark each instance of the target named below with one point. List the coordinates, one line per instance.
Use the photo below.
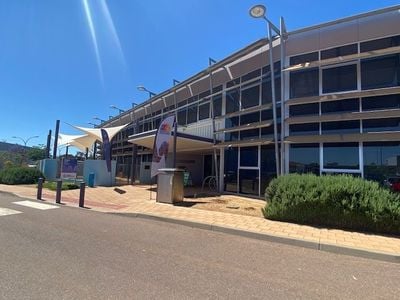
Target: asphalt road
(69, 253)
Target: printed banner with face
(161, 145)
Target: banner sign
(69, 168)
(106, 149)
(161, 145)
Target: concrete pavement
(136, 201)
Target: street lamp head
(258, 11)
(141, 88)
(113, 106)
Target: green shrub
(334, 201)
(20, 175)
(51, 185)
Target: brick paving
(137, 200)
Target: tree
(36, 153)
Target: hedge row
(20, 175)
(334, 201)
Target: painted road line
(7, 211)
(36, 205)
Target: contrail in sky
(94, 37)
(111, 27)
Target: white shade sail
(96, 132)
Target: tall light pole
(93, 124)
(174, 83)
(25, 141)
(258, 11)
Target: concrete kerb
(356, 252)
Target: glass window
(304, 129)
(182, 117)
(267, 114)
(231, 136)
(250, 118)
(303, 58)
(232, 101)
(266, 92)
(204, 94)
(267, 166)
(251, 75)
(378, 125)
(250, 134)
(381, 160)
(383, 43)
(341, 156)
(192, 114)
(381, 102)
(251, 97)
(231, 122)
(304, 158)
(339, 79)
(249, 156)
(304, 109)
(204, 111)
(231, 168)
(339, 51)
(268, 132)
(233, 82)
(341, 127)
(248, 181)
(340, 106)
(217, 105)
(380, 72)
(304, 83)
(217, 89)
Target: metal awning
(184, 142)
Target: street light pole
(25, 141)
(258, 11)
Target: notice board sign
(69, 168)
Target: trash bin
(170, 185)
(91, 180)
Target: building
(337, 89)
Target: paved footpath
(137, 201)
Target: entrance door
(208, 165)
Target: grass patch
(52, 185)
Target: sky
(71, 59)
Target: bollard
(58, 191)
(82, 194)
(39, 189)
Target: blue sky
(49, 68)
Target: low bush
(20, 175)
(335, 201)
(51, 185)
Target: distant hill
(11, 147)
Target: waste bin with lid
(91, 180)
(170, 185)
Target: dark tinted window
(304, 109)
(304, 83)
(231, 167)
(250, 134)
(192, 114)
(232, 136)
(232, 101)
(304, 129)
(251, 75)
(217, 89)
(340, 127)
(182, 117)
(233, 82)
(266, 115)
(248, 181)
(251, 97)
(217, 104)
(204, 111)
(339, 79)
(267, 90)
(380, 43)
(381, 102)
(303, 58)
(341, 156)
(231, 122)
(249, 156)
(304, 158)
(268, 166)
(378, 125)
(339, 51)
(348, 105)
(204, 94)
(268, 132)
(380, 72)
(249, 118)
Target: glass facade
(341, 156)
(304, 158)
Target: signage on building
(69, 168)
(161, 145)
